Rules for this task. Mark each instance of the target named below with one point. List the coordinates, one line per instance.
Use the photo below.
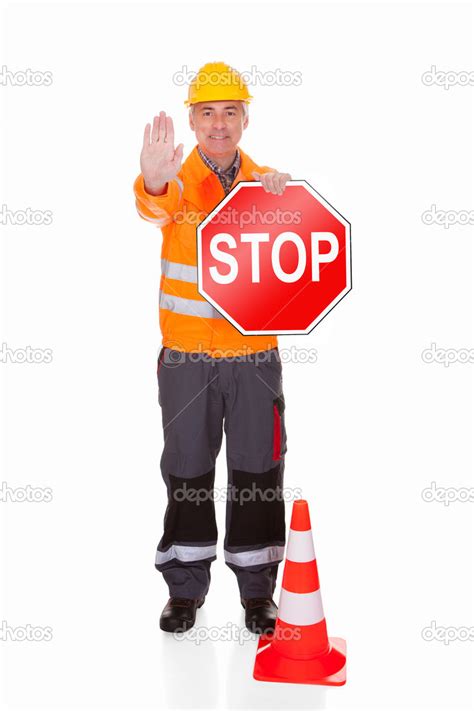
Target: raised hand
(159, 161)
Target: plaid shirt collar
(226, 177)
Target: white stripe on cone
(262, 649)
(300, 608)
(300, 547)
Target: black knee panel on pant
(257, 508)
(190, 515)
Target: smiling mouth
(219, 138)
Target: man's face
(218, 126)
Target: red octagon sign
(274, 264)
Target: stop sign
(274, 264)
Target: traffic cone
(299, 650)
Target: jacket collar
(196, 171)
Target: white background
(370, 425)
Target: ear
(246, 122)
(191, 121)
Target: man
(209, 374)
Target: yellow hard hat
(217, 81)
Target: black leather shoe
(260, 614)
(179, 614)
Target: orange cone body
(299, 650)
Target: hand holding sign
(273, 182)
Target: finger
(272, 182)
(277, 183)
(256, 175)
(154, 133)
(178, 155)
(286, 178)
(170, 131)
(282, 178)
(162, 126)
(266, 184)
(146, 135)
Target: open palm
(159, 161)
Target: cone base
(326, 670)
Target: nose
(218, 124)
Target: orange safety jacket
(188, 322)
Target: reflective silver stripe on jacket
(162, 221)
(189, 307)
(185, 553)
(271, 554)
(180, 185)
(158, 221)
(182, 272)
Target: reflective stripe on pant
(199, 396)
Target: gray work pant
(199, 395)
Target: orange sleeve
(158, 209)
